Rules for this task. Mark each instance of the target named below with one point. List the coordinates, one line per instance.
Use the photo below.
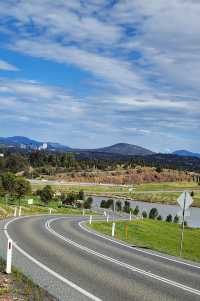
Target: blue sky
(98, 72)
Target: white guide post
(90, 219)
(107, 219)
(9, 257)
(130, 217)
(15, 212)
(113, 229)
(50, 210)
(20, 211)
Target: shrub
(118, 206)
(153, 213)
(144, 214)
(159, 218)
(88, 203)
(176, 219)
(126, 207)
(169, 218)
(136, 210)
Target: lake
(193, 220)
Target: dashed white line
(50, 271)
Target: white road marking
(137, 249)
(127, 266)
(50, 271)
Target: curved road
(60, 254)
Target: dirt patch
(17, 287)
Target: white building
(43, 146)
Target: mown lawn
(165, 198)
(156, 235)
(168, 186)
(98, 189)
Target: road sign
(180, 213)
(30, 201)
(185, 200)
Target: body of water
(193, 220)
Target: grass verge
(156, 235)
(18, 287)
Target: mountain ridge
(186, 153)
(123, 149)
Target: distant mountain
(122, 149)
(125, 149)
(26, 143)
(185, 153)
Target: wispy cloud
(5, 66)
(143, 57)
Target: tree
(126, 207)
(119, 206)
(22, 187)
(2, 191)
(136, 210)
(16, 162)
(153, 213)
(169, 218)
(144, 214)
(81, 195)
(8, 182)
(103, 204)
(159, 169)
(176, 219)
(88, 203)
(46, 194)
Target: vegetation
(156, 235)
(104, 168)
(16, 191)
(19, 287)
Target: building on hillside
(43, 146)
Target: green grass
(22, 287)
(37, 208)
(97, 189)
(164, 197)
(167, 186)
(156, 235)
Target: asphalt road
(74, 264)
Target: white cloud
(5, 66)
(144, 55)
(120, 73)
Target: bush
(136, 210)
(159, 218)
(153, 213)
(88, 203)
(106, 204)
(144, 214)
(46, 194)
(169, 218)
(126, 207)
(118, 206)
(176, 219)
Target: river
(193, 220)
